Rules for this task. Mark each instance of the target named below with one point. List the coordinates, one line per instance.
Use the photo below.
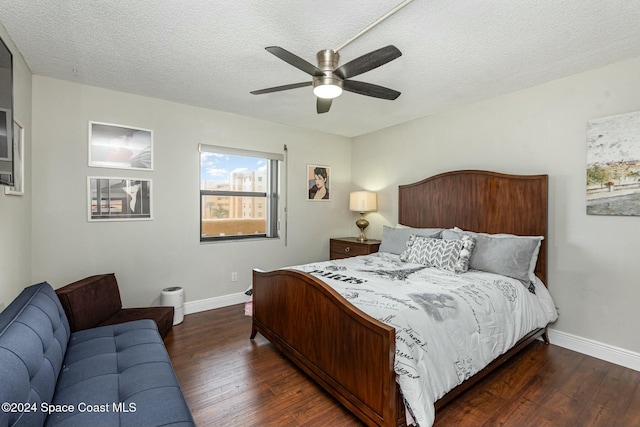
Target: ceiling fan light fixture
(327, 86)
(327, 91)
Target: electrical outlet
(234, 276)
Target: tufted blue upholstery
(118, 375)
(33, 340)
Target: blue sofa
(116, 375)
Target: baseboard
(619, 356)
(215, 302)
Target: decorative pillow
(450, 255)
(508, 256)
(394, 240)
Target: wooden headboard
(480, 201)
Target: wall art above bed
(613, 165)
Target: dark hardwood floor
(229, 380)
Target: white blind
(205, 148)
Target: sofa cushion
(88, 306)
(163, 316)
(33, 340)
(124, 372)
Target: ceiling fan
(329, 79)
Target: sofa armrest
(90, 301)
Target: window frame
(271, 194)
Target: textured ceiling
(211, 53)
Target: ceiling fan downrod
(377, 22)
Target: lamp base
(362, 223)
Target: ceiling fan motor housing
(327, 62)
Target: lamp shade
(363, 201)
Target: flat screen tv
(6, 116)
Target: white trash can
(174, 296)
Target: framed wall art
(18, 161)
(120, 147)
(117, 199)
(613, 165)
(318, 180)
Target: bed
(350, 353)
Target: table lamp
(363, 202)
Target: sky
(217, 167)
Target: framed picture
(18, 161)
(120, 147)
(613, 165)
(117, 199)
(318, 183)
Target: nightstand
(345, 247)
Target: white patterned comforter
(448, 326)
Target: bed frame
(349, 353)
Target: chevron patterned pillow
(450, 255)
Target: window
(238, 193)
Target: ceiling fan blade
(323, 105)
(368, 62)
(296, 61)
(369, 89)
(279, 88)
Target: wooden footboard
(349, 353)
(346, 351)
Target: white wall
(148, 256)
(15, 211)
(594, 261)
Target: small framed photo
(18, 161)
(118, 199)
(318, 180)
(120, 147)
